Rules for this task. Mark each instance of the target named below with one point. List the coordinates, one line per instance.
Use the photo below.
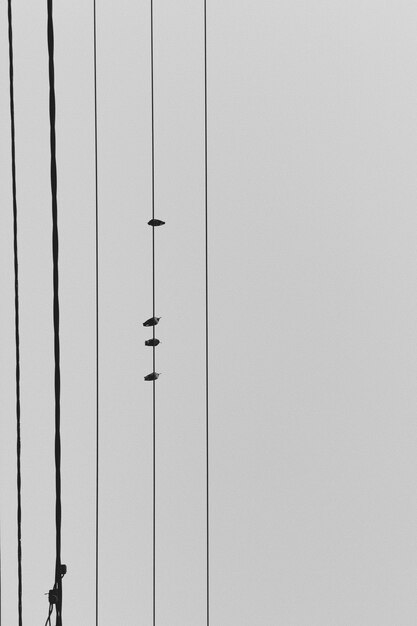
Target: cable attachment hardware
(62, 570)
(155, 222)
(152, 376)
(152, 342)
(152, 321)
(54, 595)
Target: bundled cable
(16, 309)
(55, 598)
(55, 594)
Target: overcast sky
(312, 247)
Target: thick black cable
(207, 321)
(97, 296)
(16, 317)
(153, 334)
(55, 255)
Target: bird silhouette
(152, 321)
(152, 376)
(152, 342)
(155, 222)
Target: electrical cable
(16, 308)
(0, 579)
(55, 255)
(97, 296)
(207, 320)
(153, 334)
(48, 619)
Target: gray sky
(312, 222)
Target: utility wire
(97, 296)
(153, 334)
(55, 250)
(207, 321)
(16, 317)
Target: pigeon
(152, 321)
(154, 222)
(152, 376)
(152, 342)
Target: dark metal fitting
(152, 342)
(53, 596)
(62, 570)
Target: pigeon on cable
(152, 376)
(155, 222)
(152, 342)
(152, 321)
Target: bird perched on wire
(152, 321)
(155, 222)
(152, 376)
(152, 342)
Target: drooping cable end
(152, 376)
(48, 619)
(155, 222)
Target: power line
(16, 309)
(207, 320)
(0, 579)
(55, 595)
(153, 321)
(97, 296)
(153, 333)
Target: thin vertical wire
(0, 579)
(207, 319)
(153, 334)
(97, 298)
(16, 302)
